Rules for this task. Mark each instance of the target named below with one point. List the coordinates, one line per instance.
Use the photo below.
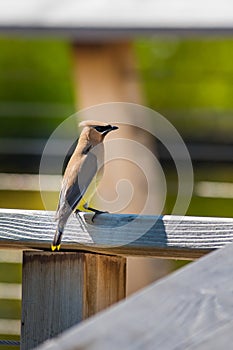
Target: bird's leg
(96, 211)
(77, 211)
(80, 219)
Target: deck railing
(190, 309)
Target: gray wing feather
(70, 197)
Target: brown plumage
(82, 174)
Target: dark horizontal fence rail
(126, 235)
(199, 151)
(9, 342)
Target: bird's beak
(111, 128)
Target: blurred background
(186, 78)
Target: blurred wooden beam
(106, 73)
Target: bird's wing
(74, 187)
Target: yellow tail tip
(55, 247)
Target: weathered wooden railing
(189, 309)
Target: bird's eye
(99, 128)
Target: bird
(82, 175)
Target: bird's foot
(96, 212)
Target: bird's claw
(98, 212)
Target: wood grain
(190, 309)
(60, 290)
(126, 235)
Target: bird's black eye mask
(102, 128)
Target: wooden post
(62, 289)
(191, 309)
(106, 72)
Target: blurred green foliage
(27, 200)
(36, 87)
(202, 206)
(35, 70)
(10, 309)
(10, 273)
(190, 83)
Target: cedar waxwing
(81, 176)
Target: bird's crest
(92, 123)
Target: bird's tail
(57, 239)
